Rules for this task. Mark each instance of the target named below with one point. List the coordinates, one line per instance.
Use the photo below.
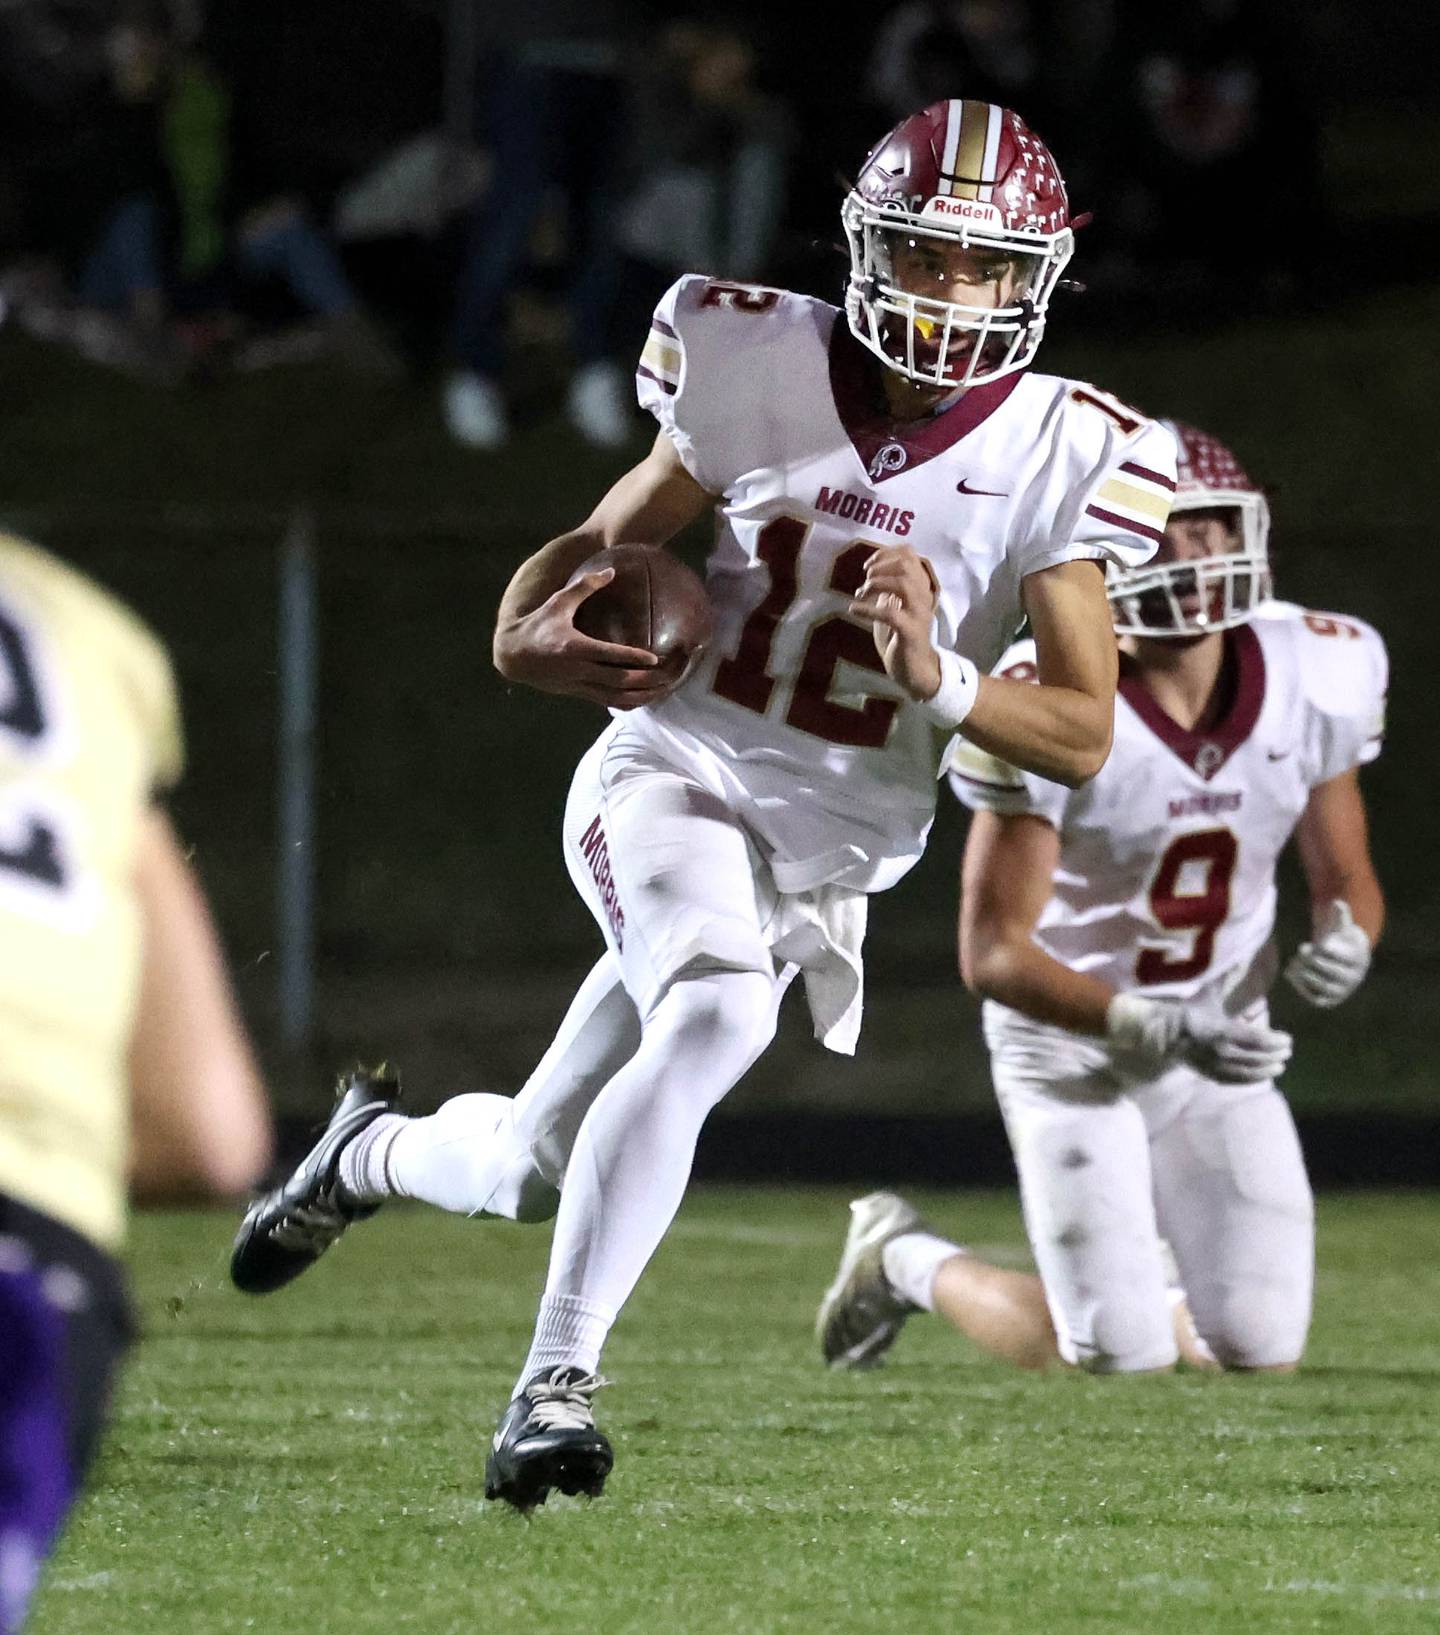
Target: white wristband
(955, 697)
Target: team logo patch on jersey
(1209, 758)
(890, 457)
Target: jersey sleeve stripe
(663, 328)
(1137, 470)
(988, 783)
(1127, 523)
(1132, 497)
(663, 356)
(979, 767)
(669, 387)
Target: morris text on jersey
(1207, 804)
(596, 851)
(864, 512)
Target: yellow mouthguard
(926, 326)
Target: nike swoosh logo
(963, 487)
(1276, 754)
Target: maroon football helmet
(959, 229)
(1187, 596)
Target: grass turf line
(315, 1459)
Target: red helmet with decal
(959, 229)
(1200, 580)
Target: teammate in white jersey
(893, 493)
(1121, 934)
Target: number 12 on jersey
(834, 638)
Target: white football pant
(1107, 1171)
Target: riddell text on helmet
(967, 209)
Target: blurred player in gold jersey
(122, 1056)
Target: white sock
(364, 1171)
(910, 1263)
(569, 1332)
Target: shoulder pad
(1343, 672)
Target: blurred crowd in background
(419, 188)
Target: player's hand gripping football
(544, 650)
(898, 596)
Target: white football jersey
(775, 409)
(1166, 880)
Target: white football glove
(1331, 967)
(1158, 1033)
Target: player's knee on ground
(1121, 1333)
(1244, 1233)
(1257, 1326)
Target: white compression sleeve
(632, 1160)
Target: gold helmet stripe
(971, 121)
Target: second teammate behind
(1121, 935)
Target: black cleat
(547, 1438)
(289, 1228)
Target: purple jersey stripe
(669, 387)
(664, 328)
(1149, 475)
(1124, 522)
(35, 1475)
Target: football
(654, 601)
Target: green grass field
(314, 1461)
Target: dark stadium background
(449, 938)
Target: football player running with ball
(1121, 935)
(893, 493)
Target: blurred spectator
(268, 140)
(1214, 145)
(82, 93)
(713, 153)
(554, 112)
(927, 50)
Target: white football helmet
(1188, 596)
